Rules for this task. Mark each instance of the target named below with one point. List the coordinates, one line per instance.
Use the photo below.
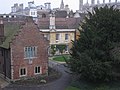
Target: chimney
(109, 1)
(52, 22)
(48, 5)
(21, 6)
(92, 2)
(98, 2)
(29, 19)
(80, 5)
(103, 1)
(1, 31)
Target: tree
(92, 56)
(61, 48)
(53, 49)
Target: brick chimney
(1, 31)
(29, 19)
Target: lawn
(61, 58)
(72, 88)
(82, 85)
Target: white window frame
(25, 72)
(47, 36)
(37, 70)
(30, 54)
(32, 12)
(58, 36)
(67, 37)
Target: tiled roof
(11, 27)
(60, 23)
(43, 23)
(10, 30)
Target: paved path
(59, 84)
(3, 83)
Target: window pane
(66, 36)
(25, 52)
(57, 36)
(22, 71)
(30, 52)
(31, 55)
(35, 69)
(38, 69)
(35, 52)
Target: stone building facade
(59, 30)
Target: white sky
(5, 5)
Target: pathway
(59, 84)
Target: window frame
(47, 36)
(66, 38)
(30, 52)
(25, 72)
(57, 38)
(37, 70)
(32, 12)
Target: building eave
(57, 30)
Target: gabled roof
(10, 29)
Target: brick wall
(29, 35)
(1, 32)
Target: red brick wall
(29, 36)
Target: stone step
(3, 83)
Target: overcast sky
(5, 5)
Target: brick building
(23, 53)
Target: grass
(61, 58)
(82, 85)
(72, 88)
